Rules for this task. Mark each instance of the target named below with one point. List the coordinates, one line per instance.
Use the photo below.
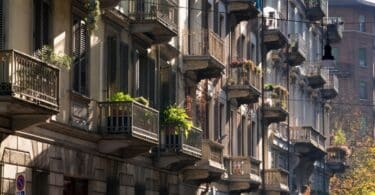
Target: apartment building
(256, 91)
(354, 63)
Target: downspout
(287, 83)
(263, 122)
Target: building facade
(256, 91)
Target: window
(362, 57)
(362, 90)
(219, 114)
(40, 183)
(146, 76)
(80, 55)
(2, 25)
(113, 185)
(362, 23)
(74, 186)
(252, 140)
(41, 23)
(335, 53)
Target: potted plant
(175, 118)
(48, 55)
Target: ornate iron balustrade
(149, 10)
(244, 72)
(307, 134)
(241, 166)
(29, 79)
(212, 151)
(129, 118)
(188, 142)
(276, 178)
(203, 43)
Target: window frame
(364, 55)
(363, 86)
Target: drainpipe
(263, 125)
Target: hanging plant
(48, 55)
(93, 8)
(268, 87)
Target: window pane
(362, 56)
(362, 90)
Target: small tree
(339, 138)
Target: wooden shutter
(111, 64)
(40, 183)
(2, 25)
(124, 66)
(80, 58)
(165, 81)
(216, 17)
(113, 185)
(41, 23)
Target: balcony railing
(307, 134)
(241, 73)
(276, 31)
(29, 79)
(277, 98)
(203, 43)
(129, 118)
(315, 9)
(212, 151)
(331, 88)
(242, 167)
(298, 49)
(187, 142)
(316, 74)
(335, 27)
(276, 179)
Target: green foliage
(176, 117)
(339, 138)
(268, 87)
(142, 100)
(121, 97)
(48, 55)
(124, 97)
(93, 8)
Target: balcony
(275, 108)
(331, 88)
(308, 142)
(315, 9)
(203, 54)
(179, 150)
(127, 125)
(243, 174)
(244, 82)
(29, 90)
(109, 3)
(210, 168)
(275, 32)
(242, 10)
(316, 75)
(297, 50)
(153, 21)
(337, 158)
(276, 180)
(335, 27)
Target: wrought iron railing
(332, 82)
(242, 166)
(298, 41)
(212, 151)
(203, 43)
(315, 69)
(127, 118)
(276, 21)
(147, 10)
(275, 177)
(276, 98)
(311, 4)
(245, 72)
(189, 141)
(307, 134)
(28, 78)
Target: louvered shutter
(80, 58)
(111, 64)
(124, 66)
(165, 80)
(41, 23)
(2, 25)
(113, 185)
(216, 17)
